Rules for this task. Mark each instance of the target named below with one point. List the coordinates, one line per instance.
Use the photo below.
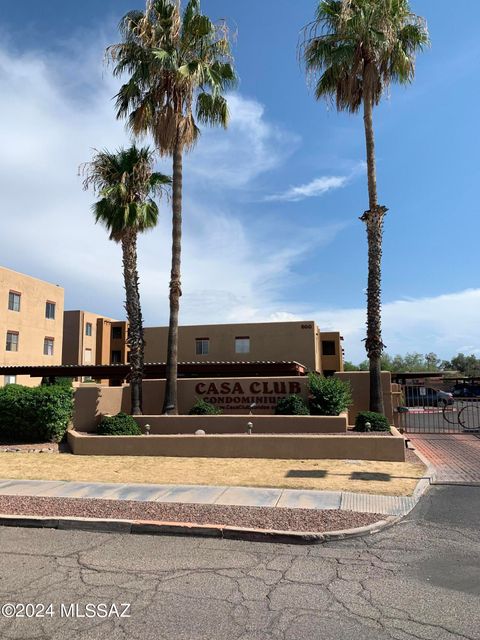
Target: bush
(35, 414)
(204, 408)
(120, 425)
(292, 406)
(53, 381)
(328, 396)
(378, 422)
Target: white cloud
(317, 187)
(230, 272)
(57, 109)
(443, 324)
(249, 147)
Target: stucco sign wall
(235, 396)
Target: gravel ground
(252, 517)
(42, 447)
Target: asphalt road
(419, 579)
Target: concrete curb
(454, 483)
(424, 484)
(138, 527)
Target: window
(202, 346)
(48, 347)
(116, 333)
(116, 357)
(12, 341)
(14, 301)
(242, 344)
(328, 348)
(88, 329)
(50, 310)
(87, 356)
(9, 380)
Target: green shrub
(292, 406)
(120, 425)
(53, 381)
(35, 414)
(328, 396)
(378, 422)
(204, 408)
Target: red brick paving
(455, 458)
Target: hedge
(35, 414)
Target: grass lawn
(387, 478)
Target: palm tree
(355, 49)
(125, 182)
(179, 65)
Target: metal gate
(425, 410)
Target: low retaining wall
(285, 447)
(224, 424)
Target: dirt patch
(385, 478)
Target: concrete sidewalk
(201, 494)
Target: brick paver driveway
(455, 458)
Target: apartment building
(93, 339)
(31, 323)
(302, 342)
(37, 331)
(89, 338)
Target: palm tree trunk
(135, 339)
(373, 219)
(170, 401)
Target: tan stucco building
(89, 338)
(300, 341)
(37, 331)
(31, 323)
(93, 339)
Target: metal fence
(425, 410)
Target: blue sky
(272, 206)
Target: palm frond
(355, 45)
(173, 61)
(212, 110)
(125, 182)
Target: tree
(356, 49)
(125, 182)
(432, 362)
(349, 366)
(179, 65)
(468, 365)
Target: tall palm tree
(179, 65)
(126, 182)
(355, 49)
